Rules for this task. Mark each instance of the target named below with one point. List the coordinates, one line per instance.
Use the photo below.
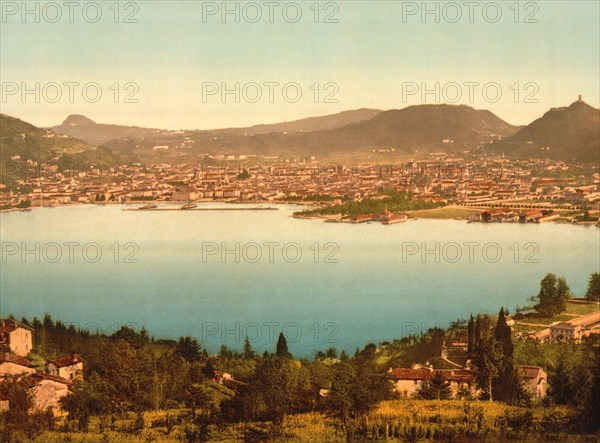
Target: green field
(548, 320)
(572, 308)
(581, 308)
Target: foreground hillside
(138, 389)
(391, 421)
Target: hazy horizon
(134, 124)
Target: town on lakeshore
(494, 189)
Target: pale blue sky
(369, 54)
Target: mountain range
(571, 133)
(425, 127)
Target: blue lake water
(222, 275)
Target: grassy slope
(388, 416)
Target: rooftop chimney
(580, 99)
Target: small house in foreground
(407, 381)
(15, 337)
(534, 380)
(70, 368)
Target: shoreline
(453, 212)
(332, 218)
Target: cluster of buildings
(408, 381)
(504, 215)
(444, 178)
(48, 386)
(570, 331)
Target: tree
(129, 335)
(188, 348)
(331, 353)
(225, 352)
(341, 398)
(88, 398)
(486, 360)
(243, 175)
(249, 353)
(561, 382)
(502, 334)
(505, 386)
(553, 295)
(19, 400)
(209, 369)
(477, 333)
(593, 399)
(356, 389)
(275, 390)
(470, 336)
(593, 291)
(435, 388)
(282, 348)
(436, 342)
(367, 354)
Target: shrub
(413, 433)
(516, 421)
(555, 420)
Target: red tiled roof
(528, 213)
(67, 361)
(16, 359)
(458, 375)
(35, 379)
(410, 374)
(528, 371)
(9, 325)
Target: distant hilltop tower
(580, 99)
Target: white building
(15, 337)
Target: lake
(222, 275)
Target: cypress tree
(471, 336)
(506, 386)
(502, 334)
(486, 366)
(282, 348)
(249, 353)
(477, 338)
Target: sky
(203, 65)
